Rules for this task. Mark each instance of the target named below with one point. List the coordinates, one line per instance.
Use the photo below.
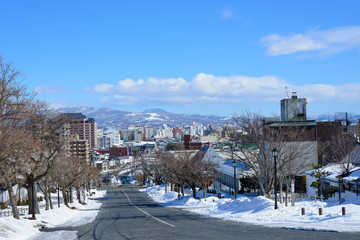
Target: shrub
(3, 206)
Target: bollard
(343, 211)
(320, 211)
(302, 211)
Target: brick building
(115, 152)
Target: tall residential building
(85, 128)
(293, 109)
(79, 148)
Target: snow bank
(260, 211)
(24, 228)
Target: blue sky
(206, 57)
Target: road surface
(127, 213)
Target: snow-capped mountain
(108, 117)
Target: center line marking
(147, 212)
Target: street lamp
(234, 165)
(33, 196)
(275, 154)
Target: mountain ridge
(110, 117)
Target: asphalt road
(127, 213)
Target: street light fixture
(275, 154)
(234, 165)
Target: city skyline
(203, 57)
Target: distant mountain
(352, 117)
(108, 117)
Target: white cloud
(226, 13)
(327, 42)
(119, 100)
(207, 88)
(237, 85)
(149, 87)
(49, 89)
(103, 88)
(125, 100)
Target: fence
(24, 210)
(8, 212)
(4, 194)
(299, 198)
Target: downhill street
(127, 213)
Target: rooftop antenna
(287, 92)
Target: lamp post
(58, 192)
(275, 154)
(234, 165)
(33, 195)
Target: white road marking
(157, 219)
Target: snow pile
(260, 211)
(24, 228)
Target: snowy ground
(11, 228)
(260, 211)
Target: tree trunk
(44, 190)
(15, 210)
(50, 201)
(286, 194)
(47, 204)
(182, 190)
(71, 195)
(78, 195)
(265, 191)
(46, 194)
(65, 197)
(30, 188)
(280, 189)
(193, 187)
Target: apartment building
(79, 148)
(85, 128)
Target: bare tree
(205, 168)
(344, 151)
(254, 140)
(46, 127)
(14, 109)
(187, 168)
(153, 167)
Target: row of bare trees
(34, 144)
(182, 169)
